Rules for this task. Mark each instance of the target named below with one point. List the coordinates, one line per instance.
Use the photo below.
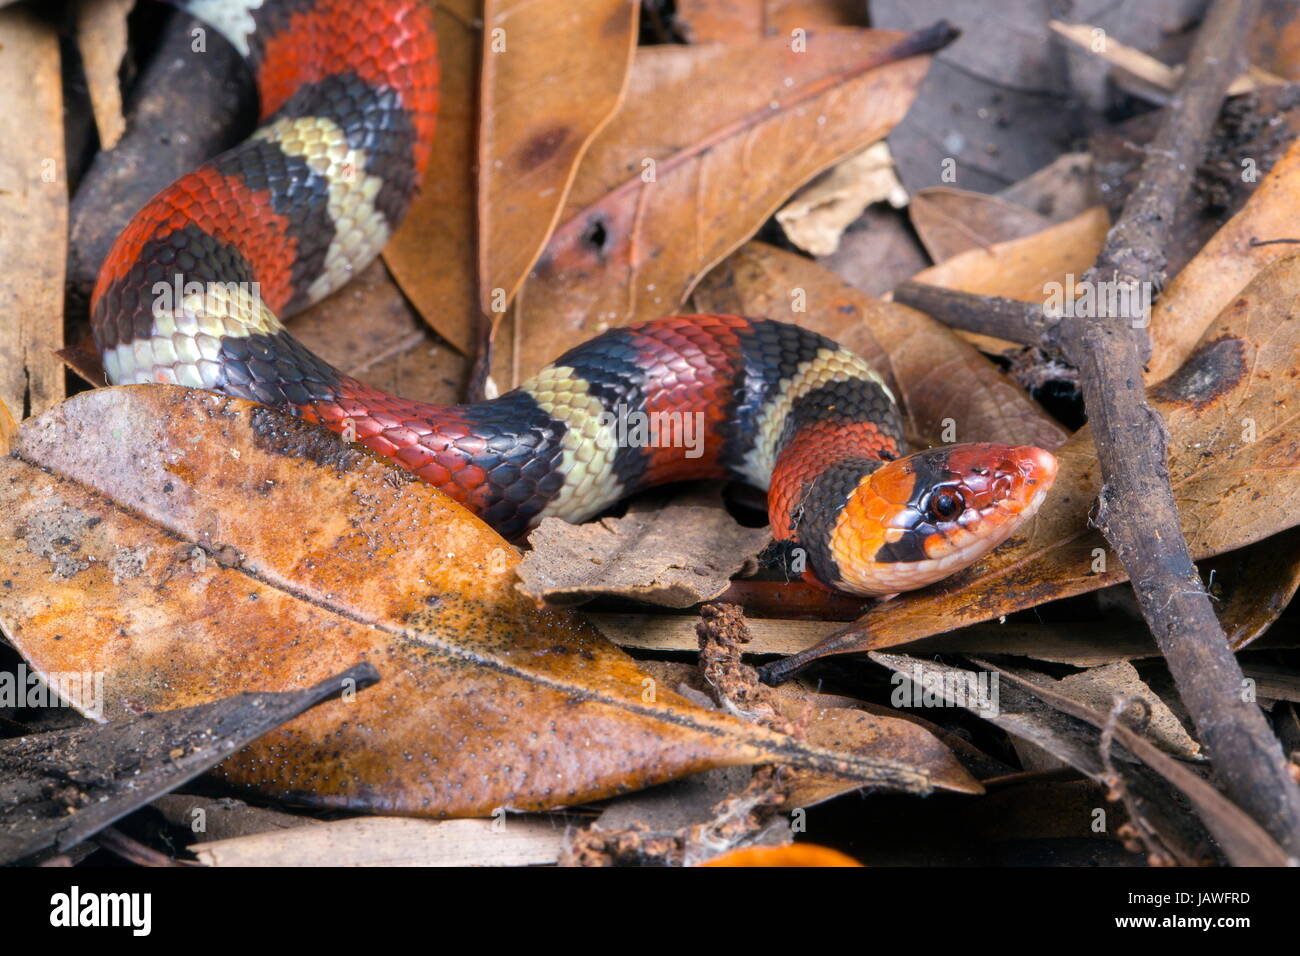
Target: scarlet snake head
(921, 518)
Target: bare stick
(1136, 511)
(1024, 323)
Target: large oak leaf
(189, 546)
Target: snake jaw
(924, 517)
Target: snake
(196, 287)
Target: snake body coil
(195, 287)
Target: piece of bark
(60, 788)
(675, 556)
(33, 214)
(395, 841)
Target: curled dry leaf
(189, 546)
(816, 218)
(1234, 463)
(708, 143)
(951, 221)
(678, 555)
(939, 376)
(553, 74)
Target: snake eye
(946, 505)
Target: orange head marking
(921, 518)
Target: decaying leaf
(1254, 585)
(190, 546)
(815, 219)
(62, 787)
(1059, 191)
(1233, 443)
(553, 74)
(677, 555)
(692, 165)
(952, 221)
(433, 254)
(949, 392)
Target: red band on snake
(195, 287)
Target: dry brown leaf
(433, 254)
(394, 841)
(677, 555)
(939, 377)
(189, 545)
(1101, 687)
(1262, 232)
(1274, 42)
(952, 221)
(101, 41)
(553, 75)
(1234, 463)
(1020, 268)
(742, 21)
(846, 729)
(33, 213)
(392, 349)
(815, 219)
(708, 144)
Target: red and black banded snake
(349, 96)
